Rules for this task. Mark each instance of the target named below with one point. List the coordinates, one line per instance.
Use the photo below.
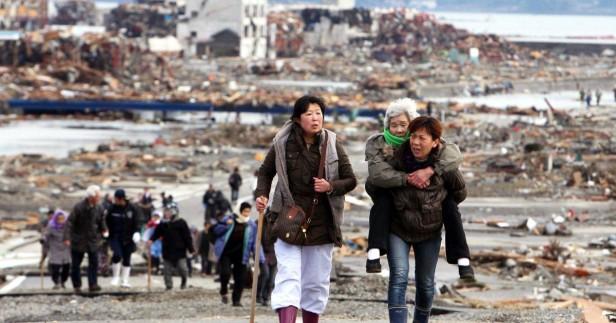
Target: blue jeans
(426, 256)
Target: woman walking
(59, 252)
(314, 173)
(418, 220)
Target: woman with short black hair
(314, 174)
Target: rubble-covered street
(535, 127)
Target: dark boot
(287, 314)
(373, 266)
(398, 314)
(421, 316)
(309, 317)
(466, 274)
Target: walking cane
(255, 275)
(42, 274)
(149, 269)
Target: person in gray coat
(84, 231)
(59, 253)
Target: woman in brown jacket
(418, 221)
(304, 269)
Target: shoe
(265, 302)
(116, 268)
(94, 289)
(63, 286)
(183, 285)
(237, 304)
(56, 287)
(225, 299)
(168, 287)
(259, 299)
(125, 276)
(373, 266)
(466, 274)
(77, 290)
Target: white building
(224, 28)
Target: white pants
(303, 276)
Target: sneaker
(225, 299)
(95, 288)
(466, 273)
(373, 266)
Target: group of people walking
(414, 182)
(69, 237)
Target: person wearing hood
(235, 242)
(157, 248)
(58, 252)
(122, 219)
(176, 241)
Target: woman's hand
(261, 203)
(321, 185)
(420, 178)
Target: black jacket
(419, 212)
(235, 181)
(122, 222)
(85, 226)
(176, 239)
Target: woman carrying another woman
(418, 220)
(380, 151)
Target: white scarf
(241, 219)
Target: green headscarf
(394, 140)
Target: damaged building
(224, 28)
(23, 14)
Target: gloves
(136, 237)
(106, 234)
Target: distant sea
(531, 25)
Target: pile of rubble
(73, 12)
(139, 20)
(33, 179)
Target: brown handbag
(291, 226)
